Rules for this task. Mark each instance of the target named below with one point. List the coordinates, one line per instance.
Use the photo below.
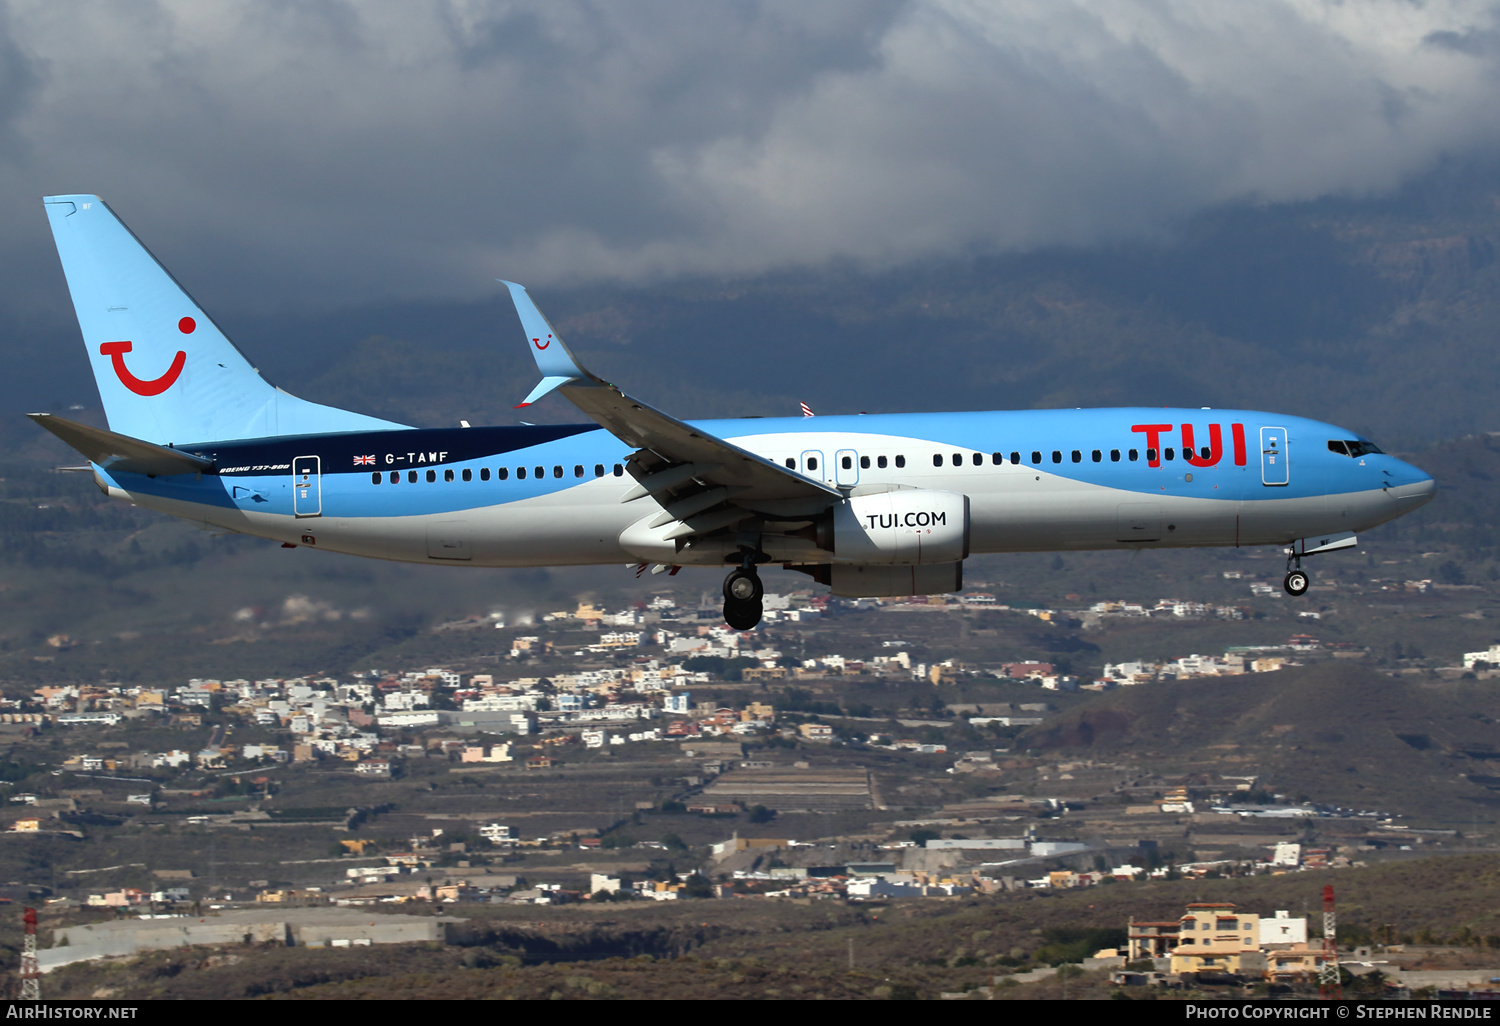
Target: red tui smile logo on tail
(156, 386)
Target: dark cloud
(321, 151)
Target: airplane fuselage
(1036, 480)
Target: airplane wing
(703, 481)
(114, 451)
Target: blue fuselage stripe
(258, 474)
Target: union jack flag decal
(364, 461)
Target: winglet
(544, 386)
(553, 358)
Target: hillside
(1350, 735)
(755, 950)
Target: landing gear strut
(742, 596)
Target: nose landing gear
(1296, 582)
(742, 597)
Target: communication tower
(31, 976)
(1329, 981)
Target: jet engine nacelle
(901, 528)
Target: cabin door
(307, 486)
(1273, 456)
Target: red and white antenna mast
(1329, 981)
(31, 976)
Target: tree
(697, 886)
(761, 814)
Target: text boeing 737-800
(869, 505)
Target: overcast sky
(288, 152)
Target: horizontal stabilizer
(117, 452)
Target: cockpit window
(1334, 445)
(1353, 447)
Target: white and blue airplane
(870, 505)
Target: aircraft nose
(1414, 493)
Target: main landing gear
(742, 597)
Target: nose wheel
(1295, 583)
(1296, 580)
(742, 598)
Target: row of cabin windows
(847, 462)
(999, 458)
(811, 463)
(501, 473)
(1096, 456)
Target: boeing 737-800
(888, 504)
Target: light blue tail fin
(165, 371)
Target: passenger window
(1036, 457)
(395, 477)
(557, 471)
(812, 463)
(375, 477)
(541, 472)
(431, 476)
(1169, 453)
(791, 464)
(502, 473)
(619, 470)
(468, 474)
(1205, 453)
(978, 459)
(1098, 456)
(1150, 455)
(1114, 455)
(598, 470)
(937, 459)
(1056, 455)
(484, 473)
(448, 475)
(900, 462)
(880, 462)
(997, 458)
(847, 463)
(864, 463)
(1077, 456)
(411, 476)
(1134, 455)
(520, 473)
(578, 470)
(958, 459)
(1015, 458)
